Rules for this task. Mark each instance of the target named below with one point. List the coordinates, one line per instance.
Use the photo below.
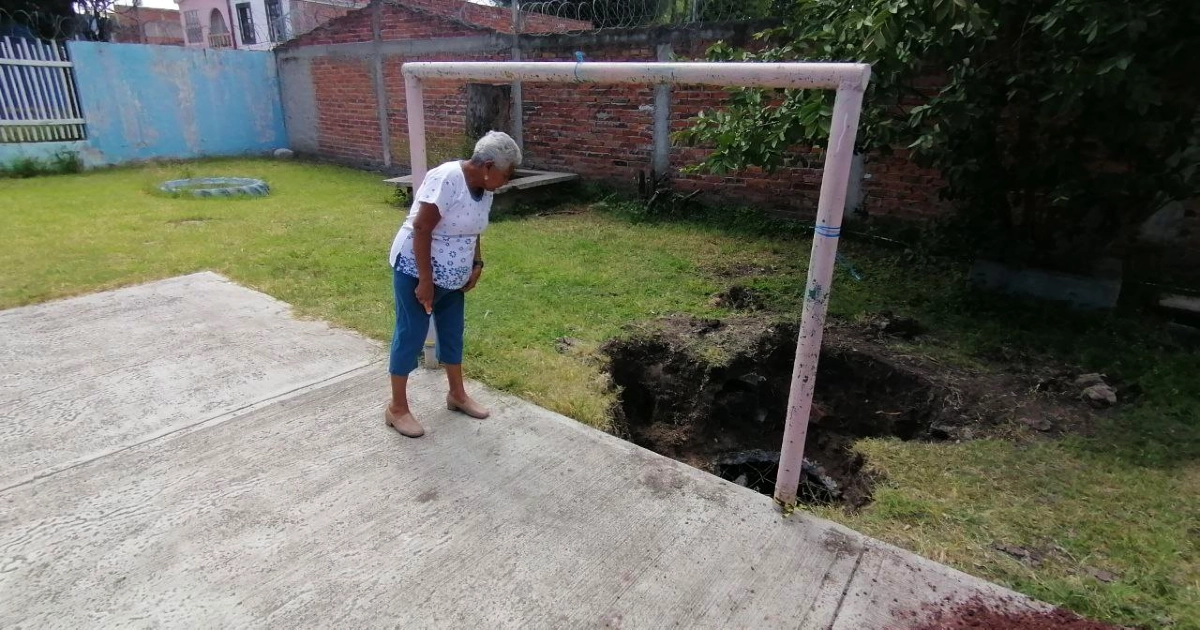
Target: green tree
(1058, 125)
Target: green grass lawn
(1125, 501)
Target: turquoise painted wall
(146, 102)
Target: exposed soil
(975, 614)
(713, 394)
(740, 298)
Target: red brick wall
(346, 110)
(147, 25)
(399, 24)
(445, 111)
(602, 132)
(347, 116)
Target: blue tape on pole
(827, 231)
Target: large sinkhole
(714, 395)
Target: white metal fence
(38, 98)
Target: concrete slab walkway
(89, 376)
(273, 496)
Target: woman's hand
(428, 217)
(475, 273)
(425, 295)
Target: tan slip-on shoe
(405, 424)
(471, 408)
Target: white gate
(38, 98)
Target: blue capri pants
(412, 325)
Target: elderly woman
(436, 258)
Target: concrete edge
(95, 294)
(202, 275)
(956, 586)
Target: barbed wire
(611, 14)
(288, 25)
(42, 25)
(550, 17)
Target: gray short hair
(498, 148)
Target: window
(275, 27)
(246, 23)
(218, 33)
(195, 34)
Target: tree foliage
(96, 19)
(1057, 125)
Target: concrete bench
(523, 179)
(527, 186)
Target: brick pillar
(662, 120)
(381, 99)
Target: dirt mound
(740, 298)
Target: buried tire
(216, 187)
